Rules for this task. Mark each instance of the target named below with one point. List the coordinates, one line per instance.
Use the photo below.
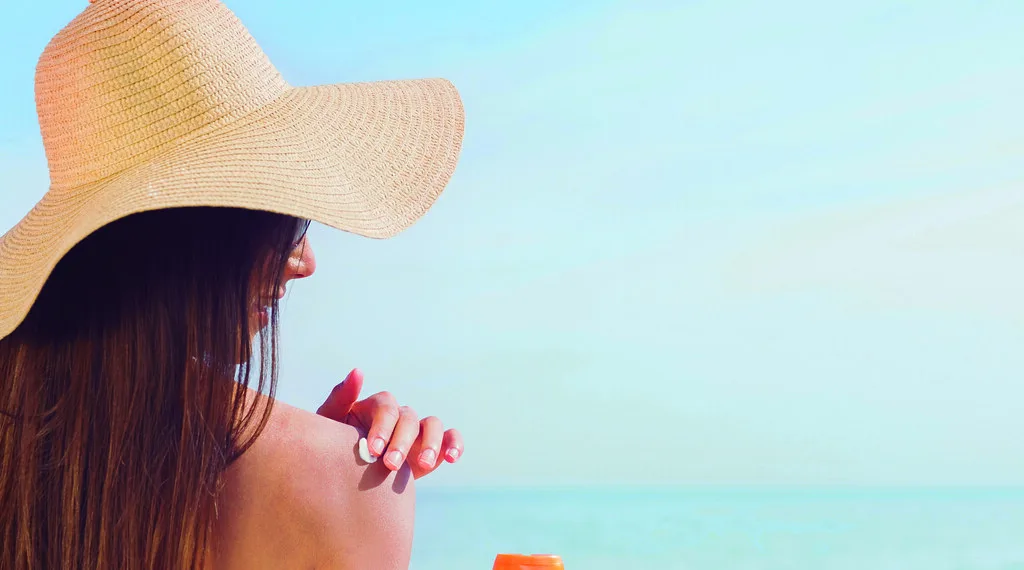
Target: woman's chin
(259, 320)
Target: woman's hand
(393, 431)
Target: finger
(429, 443)
(385, 415)
(452, 445)
(342, 397)
(405, 434)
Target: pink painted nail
(377, 446)
(395, 459)
(427, 457)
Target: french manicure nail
(377, 446)
(453, 454)
(427, 457)
(395, 458)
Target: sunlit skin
(394, 432)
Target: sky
(687, 243)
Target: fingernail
(395, 459)
(377, 446)
(427, 457)
(453, 454)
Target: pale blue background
(715, 243)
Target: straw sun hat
(150, 104)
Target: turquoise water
(724, 529)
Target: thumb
(342, 397)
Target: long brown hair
(125, 392)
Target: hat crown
(129, 79)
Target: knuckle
(390, 413)
(386, 398)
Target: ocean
(724, 529)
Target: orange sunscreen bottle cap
(528, 562)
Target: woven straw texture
(150, 104)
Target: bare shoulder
(303, 497)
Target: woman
(138, 304)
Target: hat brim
(366, 158)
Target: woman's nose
(302, 262)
